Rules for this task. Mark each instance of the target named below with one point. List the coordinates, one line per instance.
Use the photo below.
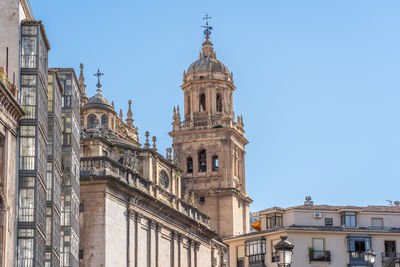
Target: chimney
(308, 201)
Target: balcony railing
(320, 255)
(390, 257)
(357, 257)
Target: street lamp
(284, 249)
(370, 257)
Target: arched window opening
(202, 103)
(104, 121)
(219, 103)
(164, 180)
(202, 161)
(189, 165)
(215, 163)
(91, 121)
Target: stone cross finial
(98, 74)
(154, 139)
(207, 31)
(147, 144)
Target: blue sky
(317, 82)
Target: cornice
(212, 130)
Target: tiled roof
(313, 228)
(388, 209)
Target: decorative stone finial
(81, 76)
(82, 86)
(112, 103)
(154, 139)
(147, 144)
(120, 114)
(129, 120)
(178, 115)
(169, 154)
(208, 50)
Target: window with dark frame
(28, 95)
(189, 165)
(104, 121)
(202, 103)
(357, 246)
(348, 219)
(255, 250)
(27, 147)
(202, 200)
(219, 103)
(390, 248)
(215, 163)
(202, 160)
(91, 121)
(164, 180)
(328, 221)
(274, 220)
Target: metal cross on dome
(207, 31)
(98, 75)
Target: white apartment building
(322, 235)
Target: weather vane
(98, 75)
(207, 31)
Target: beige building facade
(324, 235)
(12, 12)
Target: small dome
(98, 101)
(208, 61)
(207, 64)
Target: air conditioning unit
(318, 215)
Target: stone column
(196, 249)
(133, 217)
(137, 218)
(172, 247)
(157, 230)
(179, 249)
(190, 252)
(213, 256)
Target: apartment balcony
(320, 255)
(390, 257)
(357, 258)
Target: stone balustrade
(103, 167)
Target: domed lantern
(284, 249)
(370, 257)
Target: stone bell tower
(209, 144)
